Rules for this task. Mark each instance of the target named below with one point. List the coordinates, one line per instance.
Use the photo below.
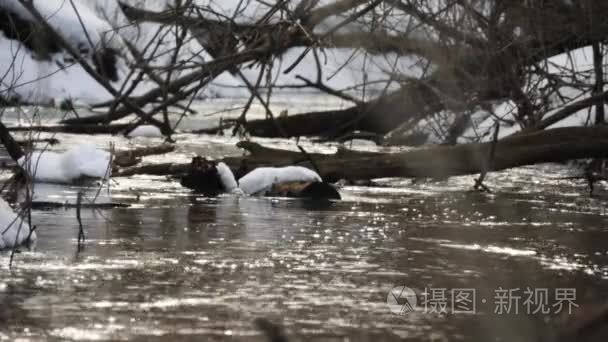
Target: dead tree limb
(81, 237)
(12, 146)
(131, 157)
(378, 116)
(598, 66)
(485, 61)
(553, 145)
(571, 109)
(74, 129)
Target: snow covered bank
(83, 161)
(13, 230)
(57, 77)
(34, 67)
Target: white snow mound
(64, 18)
(262, 179)
(13, 230)
(149, 131)
(226, 177)
(81, 161)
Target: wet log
(74, 129)
(553, 145)
(31, 142)
(259, 156)
(161, 169)
(203, 177)
(379, 116)
(309, 190)
(132, 157)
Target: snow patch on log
(262, 179)
(149, 131)
(83, 161)
(226, 176)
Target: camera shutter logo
(401, 300)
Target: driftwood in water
(74, 129)
(378, 116)
(131, 157)
(554, 145)
(30, 142)
(203, 177)
(259, 156)
(310, 190)
(161, 169)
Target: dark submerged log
(31, 142)
(311, 190)
(203, 177)
(273, 332)
(161, 169)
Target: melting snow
(81, 161)
(262, 179)
(145, 131)
(13, 230)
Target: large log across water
(553, 145)
(74, 129)
(379, 116)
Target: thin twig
(81, 237)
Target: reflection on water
(178, 267)
(173, 267)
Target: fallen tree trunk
(74, 129)
(554, 145)
(129, 158)
(145, 151)
(161, 169)
(28, 143)
(380, 116)
(308, 124)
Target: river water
(177, 267)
